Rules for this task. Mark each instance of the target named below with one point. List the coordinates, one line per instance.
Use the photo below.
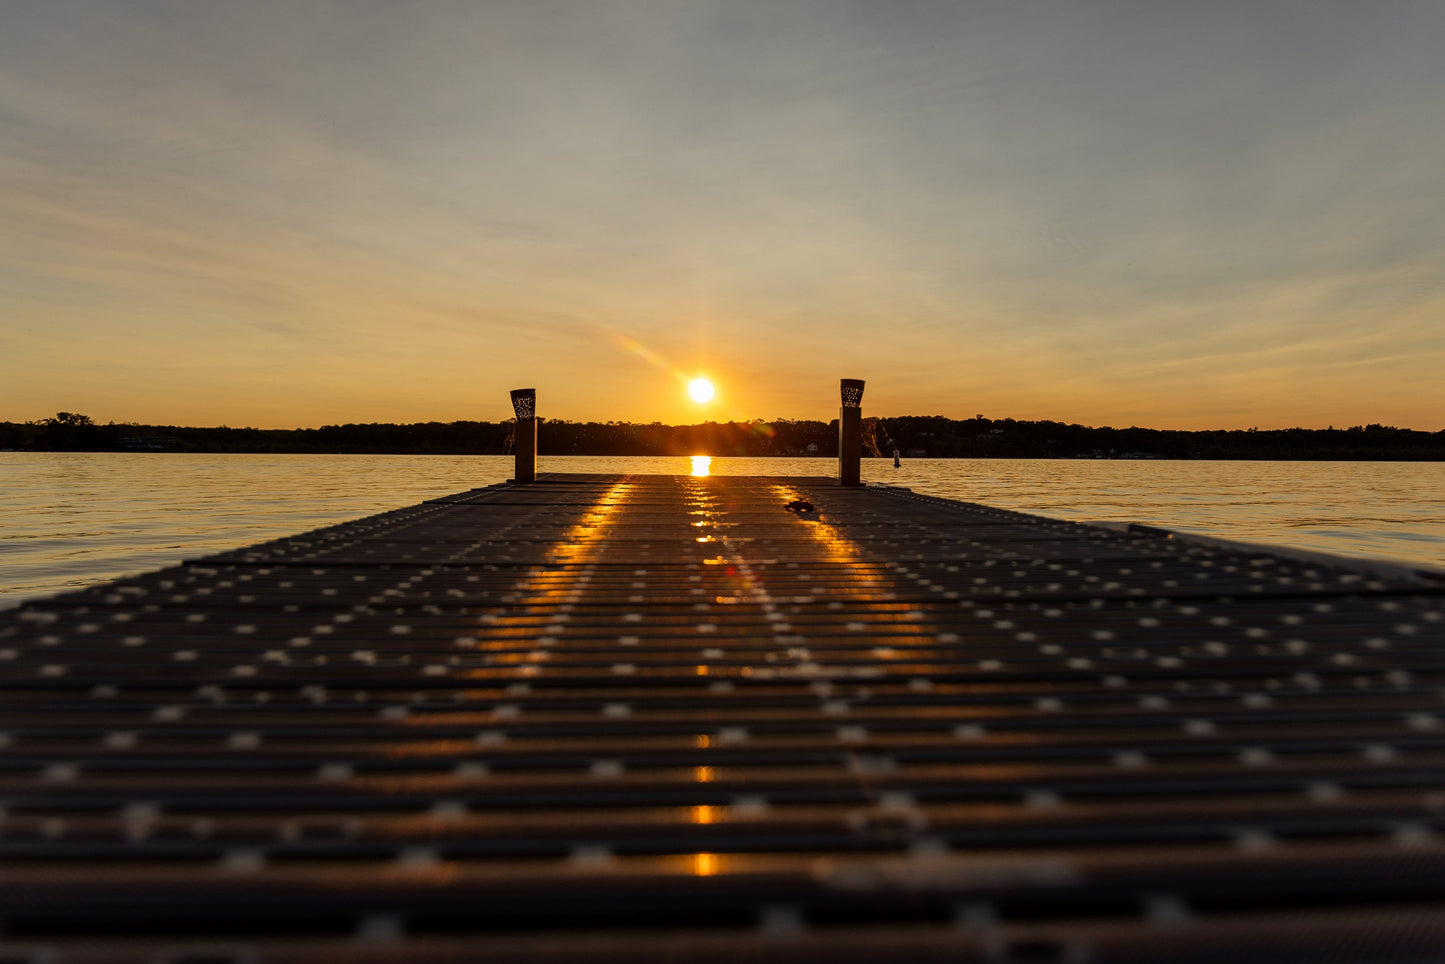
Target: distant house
(812, 448)
(917, 453)
(150, 443)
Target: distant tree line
(917, 436)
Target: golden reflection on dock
(550, 593)
(873, 589)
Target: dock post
(524, 404)
(850, 432)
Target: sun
(701, 390)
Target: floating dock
(646, 718)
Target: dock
(655, 718)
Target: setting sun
(701, 390)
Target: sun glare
(701, 390)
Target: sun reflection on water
(701, 465)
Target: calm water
(68, 520)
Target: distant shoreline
(820, 458)
(914, 436)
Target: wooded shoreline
(916, 436)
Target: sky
(298, 213)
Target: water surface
(71, 519)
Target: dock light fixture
(850, 432)
(524, 404)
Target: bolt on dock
(706, 719)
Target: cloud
(1072, 211)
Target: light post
(524, 405)
(850, 432)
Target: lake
(71, 519)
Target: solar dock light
(524, 404)
(850, 432)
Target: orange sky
(284, 215)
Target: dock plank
(653, 718)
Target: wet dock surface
(670, 718)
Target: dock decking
(640, 718)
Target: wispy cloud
(1162, 214)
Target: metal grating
(655, 718)
(851, 392)
(524, 403)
